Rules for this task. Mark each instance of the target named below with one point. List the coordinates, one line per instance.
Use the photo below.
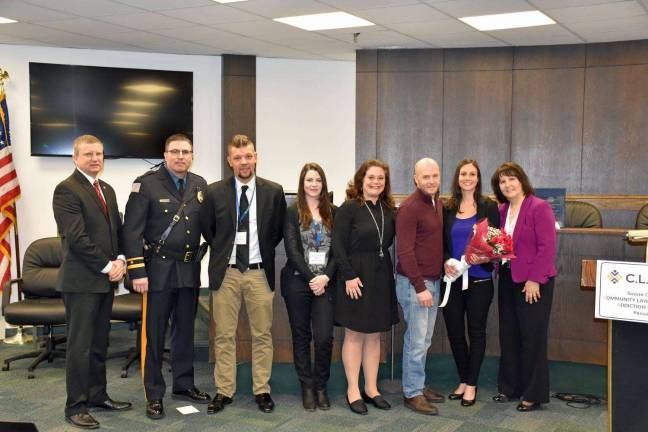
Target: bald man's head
(427, 176)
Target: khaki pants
(251, 287)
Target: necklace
(381, 231)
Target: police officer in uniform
(161, 241)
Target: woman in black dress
(365, 301)
(305, 283)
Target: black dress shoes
(113, 405)
(323, 402)
(264, 402)
(192, 395)
(154, 409)
(357, 407)
(82, 421)
(501, 398)
(218, 403)
(522, 407)
(469, 402)
(377, 401)
(308, 399)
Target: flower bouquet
(487, 244)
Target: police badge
(199, 196)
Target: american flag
(9, 192)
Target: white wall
(306, 113)
(39, 175)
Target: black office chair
(580, 214)
(128, 308)
(39, 304)
(642, 218)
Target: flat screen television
(132, 111)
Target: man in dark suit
(162, 212)
(242, 220)
(88, 221)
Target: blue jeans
(418, 336)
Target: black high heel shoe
(377, 401)
(455, 396)
(522, 407)
(357, 407)
(469, 402)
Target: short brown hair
(240, 141)
(177, 137)
(510, 169)
(354, 189)
(84, 139)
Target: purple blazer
(534, 241)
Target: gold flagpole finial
(4, 76)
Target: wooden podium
(627, 367)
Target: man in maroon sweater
(419, 230)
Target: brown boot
(420, 405)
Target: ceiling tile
(24, 12)
(282, 8)
(353, 5)
(621, 35)
(28, 31)
(158, 5)
(438, 27)
(85, 26)
(601, 12)
(209, 15)
(9, 39)
(541, 35)
(464, 40)
(93, 8)
(464, 8)
(401, 14)
(146, 21)
(561, 4)
(611, 25)
(257, 28)
(193, 33)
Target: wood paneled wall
(573, 116)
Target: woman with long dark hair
(365, 301)
(305, 283)
(465, 207)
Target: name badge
(165, 200)
(241, 238)
(316, 258)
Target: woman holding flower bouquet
(525, 289)
(465, 207)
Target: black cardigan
(486, 208)
(295, 249)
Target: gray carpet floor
(41, 400)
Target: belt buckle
(188, 256)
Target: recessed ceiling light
(228, 1)
(4, 20)
(508, 20)
(325, 21)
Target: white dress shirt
(255, 251)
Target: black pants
(88, 325)
(524, 370)
(472, 306)
(179, 304)
(306, 310)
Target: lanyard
(381, 232)
(240, 217)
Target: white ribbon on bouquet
(461, 266)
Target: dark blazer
(151, 206)
(534, 241)
(486, 208)
(295, 250)
(218, 224)
(90, 239)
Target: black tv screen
(132, 111)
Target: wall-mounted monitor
(132, 111)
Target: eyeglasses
(176, 152)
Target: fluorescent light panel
(325, 21)
(4, 20)
(228, 1)
(508, 20)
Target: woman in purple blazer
(525, 289)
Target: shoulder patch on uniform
(136, 187)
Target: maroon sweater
(419, 239)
